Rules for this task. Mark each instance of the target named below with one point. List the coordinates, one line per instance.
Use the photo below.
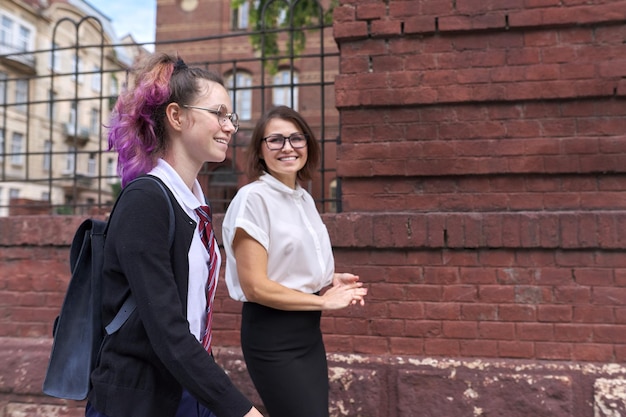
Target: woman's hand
(344, 278)
(346, 290)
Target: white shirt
(287, 224)
(198, 256)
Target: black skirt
(286, 359)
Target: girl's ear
(174, 115)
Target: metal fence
(55, 104)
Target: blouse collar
(279, 186)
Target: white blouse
(287, 224)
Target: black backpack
(78, 331)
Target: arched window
(240, 16)
(239, 87)
(285, 88)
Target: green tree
(269, 18)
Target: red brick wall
(485, 143)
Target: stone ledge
(368, 385)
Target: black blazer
(144, 366)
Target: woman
(159, 363)
(279, 257)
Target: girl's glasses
(222, 115)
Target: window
(14, 193)
(241, 94)
(70, 160)
(114, 86)
(6, 31)
(91, 164)
(96, 79)
(282, 92)
(2, 150)
(73, 114)
(21, 95)
(55, 58)
(17, 149)
(3, 87)
(240, 16)
(15, 35)
(23, 39)
(94, 121)
(51, 105)
(77, 68)
(47, 157)
(110, 172)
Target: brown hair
(256, 165)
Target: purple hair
(137, 126)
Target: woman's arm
(251, 259)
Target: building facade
(60, 71)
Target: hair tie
(180, 65)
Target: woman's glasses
(222, 115)
(276, 142)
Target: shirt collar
(192, 199)
(279, 186)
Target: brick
(441, 347)
(595, 277)
(424, 329)
(481, 312)
(478, 348)
(460, 330)
(459, 293)
(567, 332)
(554, 313)
(344, 13)
(496, 330)
(609, 333)
(406, 310)
(442, 311)
(403, 9)
(553, 351)
(354, 65)
(495, 294)
(380, 28)
(516, 313)
(593, 314)
(419, 25)
(368, 11)
(441, 276)
(406, 346)
(535, 331)
(348, 31)
(385, 328)
(516, 349)
(370, 345)
(592, 352)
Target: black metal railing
(55, 103)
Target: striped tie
(208, 238)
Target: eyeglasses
(222, 115)
(276, 142)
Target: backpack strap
(129, 304)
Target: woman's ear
(174, 115)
